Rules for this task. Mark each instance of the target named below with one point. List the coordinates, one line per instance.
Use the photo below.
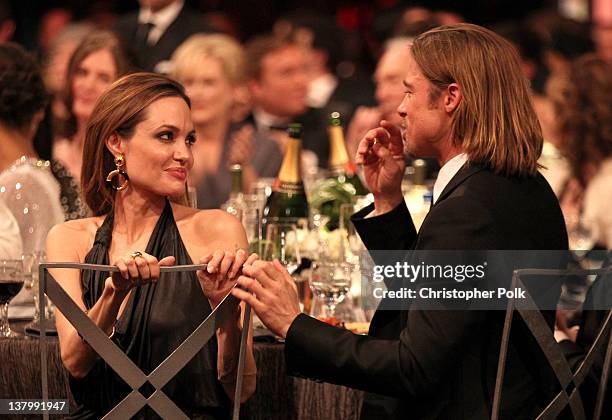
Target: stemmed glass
(330, 281)
(282, 243)
(30, 270)
(11, 282)
(580, 237)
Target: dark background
(257, 16)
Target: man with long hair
(467, 105)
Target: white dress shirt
(160, 19)
(320, 90)
(446, 173)
(265, 120)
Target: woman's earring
(120, 163)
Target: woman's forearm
(77, 355)
(228, 338)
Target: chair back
(568, 379)
(146, 389)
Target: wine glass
(11, 282)
(330, 281)
(581, 238)
(281, 243)
(30, 269)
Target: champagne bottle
(288, 202)
(235, 204)
(340, 165)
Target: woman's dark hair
(22, 91)
(95, 41)
(583, 105)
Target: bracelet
(112, 334)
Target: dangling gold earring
(120, 163)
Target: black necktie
(144, 29)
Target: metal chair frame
(120, 362)
(541, 331)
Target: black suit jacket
(188, 22)
(440, 364)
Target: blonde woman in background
(211, 67)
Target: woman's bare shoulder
(211, 223)
(77, 235)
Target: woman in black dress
(141, 133)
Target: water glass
(330, 282)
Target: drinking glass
(11, 282)
(251, 217)
(281, 242)
(330, 282)
(30, 270)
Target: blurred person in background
(324, 43)
(10, 237)
(7, 24)
(531, 46)
(568, 41)
(56, 61)
(583, 107)
(96, 63)
(390, 72)
(277, 78)
(602, 28)
(28, 189)
(51, 25)
(211, 67)
(27, 186)
(157, 29)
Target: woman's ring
(136, 254)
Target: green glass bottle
(340, 165)
(288, 203)
(235, 204)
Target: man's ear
(115, 144)
(453, 97)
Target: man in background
(278, 83)
(157, 29)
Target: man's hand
(271, 292)
(241, 146)
(365, 119)
(381, 152)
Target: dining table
(277, 395)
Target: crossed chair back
(141, 384)
(569, 380)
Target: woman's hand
(221, 273)
(137, 269)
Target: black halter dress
(157, 318)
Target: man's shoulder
(192, 21)
(125, 22)
(488, 184)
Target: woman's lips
(179, 173)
